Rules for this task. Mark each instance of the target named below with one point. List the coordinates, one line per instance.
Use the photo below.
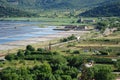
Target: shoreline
(30, 41)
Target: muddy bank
(22, 43)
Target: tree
(27, 52)
(99, 72)
(45, 76)
(59, 71)
(41, 50)
(43, 72)
(20, 54)
(72, 37)
(10, 57)
(24, 74)
(104, 73)
(75, 61)
(45, 68)
(71, 71)
(30, 48)
(58, 60)
(9, 74)
(57, 77)
(66, 77)
(76, 52)
(102, 26)
(117, 65)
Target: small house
(86, 20)
(70, 27)
(84, 27)
(89, 21)
(81, 27)
(109, 31)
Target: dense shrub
(30, 48)
(58, 60)
(38, 57)
(27, 52)
(57, 77)
(20, 54)
(76, 52)
(10, 57)
(72, 37)
(66, 77)
(118, 53)
(117, 65)
(97, 72)
(15, 74)
(71, 45)
(104, 73)
(104, 53)
(102, 60)
(53, 66)
(75, 61)
(64, 40)
(41, 50)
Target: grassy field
(49, 21)
(89, 45)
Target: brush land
(90, 50)
(65, 58)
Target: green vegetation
(98, 73)
(66, 62)
(52, 65)
(49, 8)
(110, 23)
(107, 10)
(7, 11)
(72, 37)
(56, 4)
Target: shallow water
(17, 30)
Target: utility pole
(50, 46)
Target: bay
(18, 30)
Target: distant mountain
(111, 8)
(19, 7)
(55, 4)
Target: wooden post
(49, 46)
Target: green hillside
(6, 10)
(12, 12)
(56, 4)
(21, 7)
(106, 10)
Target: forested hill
(19, 7)
(6, 10)
(53, 4)
(106, 10)
(12, 12)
